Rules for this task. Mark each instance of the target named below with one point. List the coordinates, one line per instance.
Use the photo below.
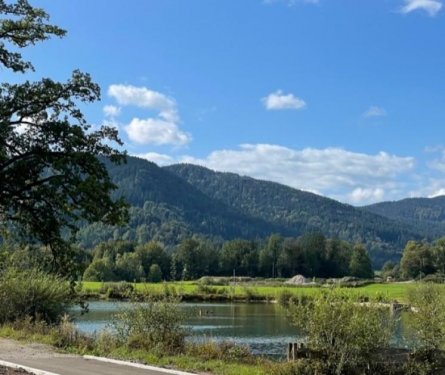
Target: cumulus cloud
(159, 159)
(111, 111)
(437, 193)
(375, 111)
(157, 132)
(431, 7)
(358, 195)
(335, 172)
(278, 100)
(160, 130)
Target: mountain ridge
(174, 202)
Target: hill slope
(426, 214)
(175, 202)
(167, 208)
(300, 211)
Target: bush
(428, 322)
(117, 290)
(153, 325)
(35, 294)
(284, 297)
(344, 332)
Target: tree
(360, 264)
(438, 253)
(154, 273)
(417, 260)
(153, 253)
(239, 257)
(50, 172)
(270, 254)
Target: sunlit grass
(384, 291)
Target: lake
(263, 327)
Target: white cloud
(358, 195)
(335, 172)
(432, 7)
(278, 100)
(437, 193)
(160, 130)
(159, 159)
(375, 111)
(156, 131)
(111, 111)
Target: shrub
(117, 290)
(344, 332)
(427, 324)
(284, 297)
(152, 325)
(33, 293)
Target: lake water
(263, 327)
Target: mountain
(426, 214)
(172, 203)
(300, 211)
(166, 208)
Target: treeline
(311, 255)
(420, 259)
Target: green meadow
(385, 292)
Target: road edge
(137, 365)
(26, 368)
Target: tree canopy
(50, 173)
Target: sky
(342, 98)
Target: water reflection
(263, 327)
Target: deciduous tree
(50, 173)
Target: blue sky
(342, 98)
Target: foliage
(154, 274)
(427, 214)
(51, 176)
(417, 260)
(345, 332)
(224, 351)
(118, 290)
(295, 212)
(428, 322)
(153, 325)
(34, 294)
(173, 203)
(360, 264)
(100, 270)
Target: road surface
(45, 358)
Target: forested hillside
(426, 214)
(300, 211)
(172, 203)
(166, 208)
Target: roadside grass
(51, 336)
(384, 292)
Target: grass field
(192, 290)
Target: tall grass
(33, 294)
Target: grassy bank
(208, 358)
(189, 290)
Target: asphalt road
(42, 357)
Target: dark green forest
(173, 203)
(425, 214)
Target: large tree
(50, 173)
